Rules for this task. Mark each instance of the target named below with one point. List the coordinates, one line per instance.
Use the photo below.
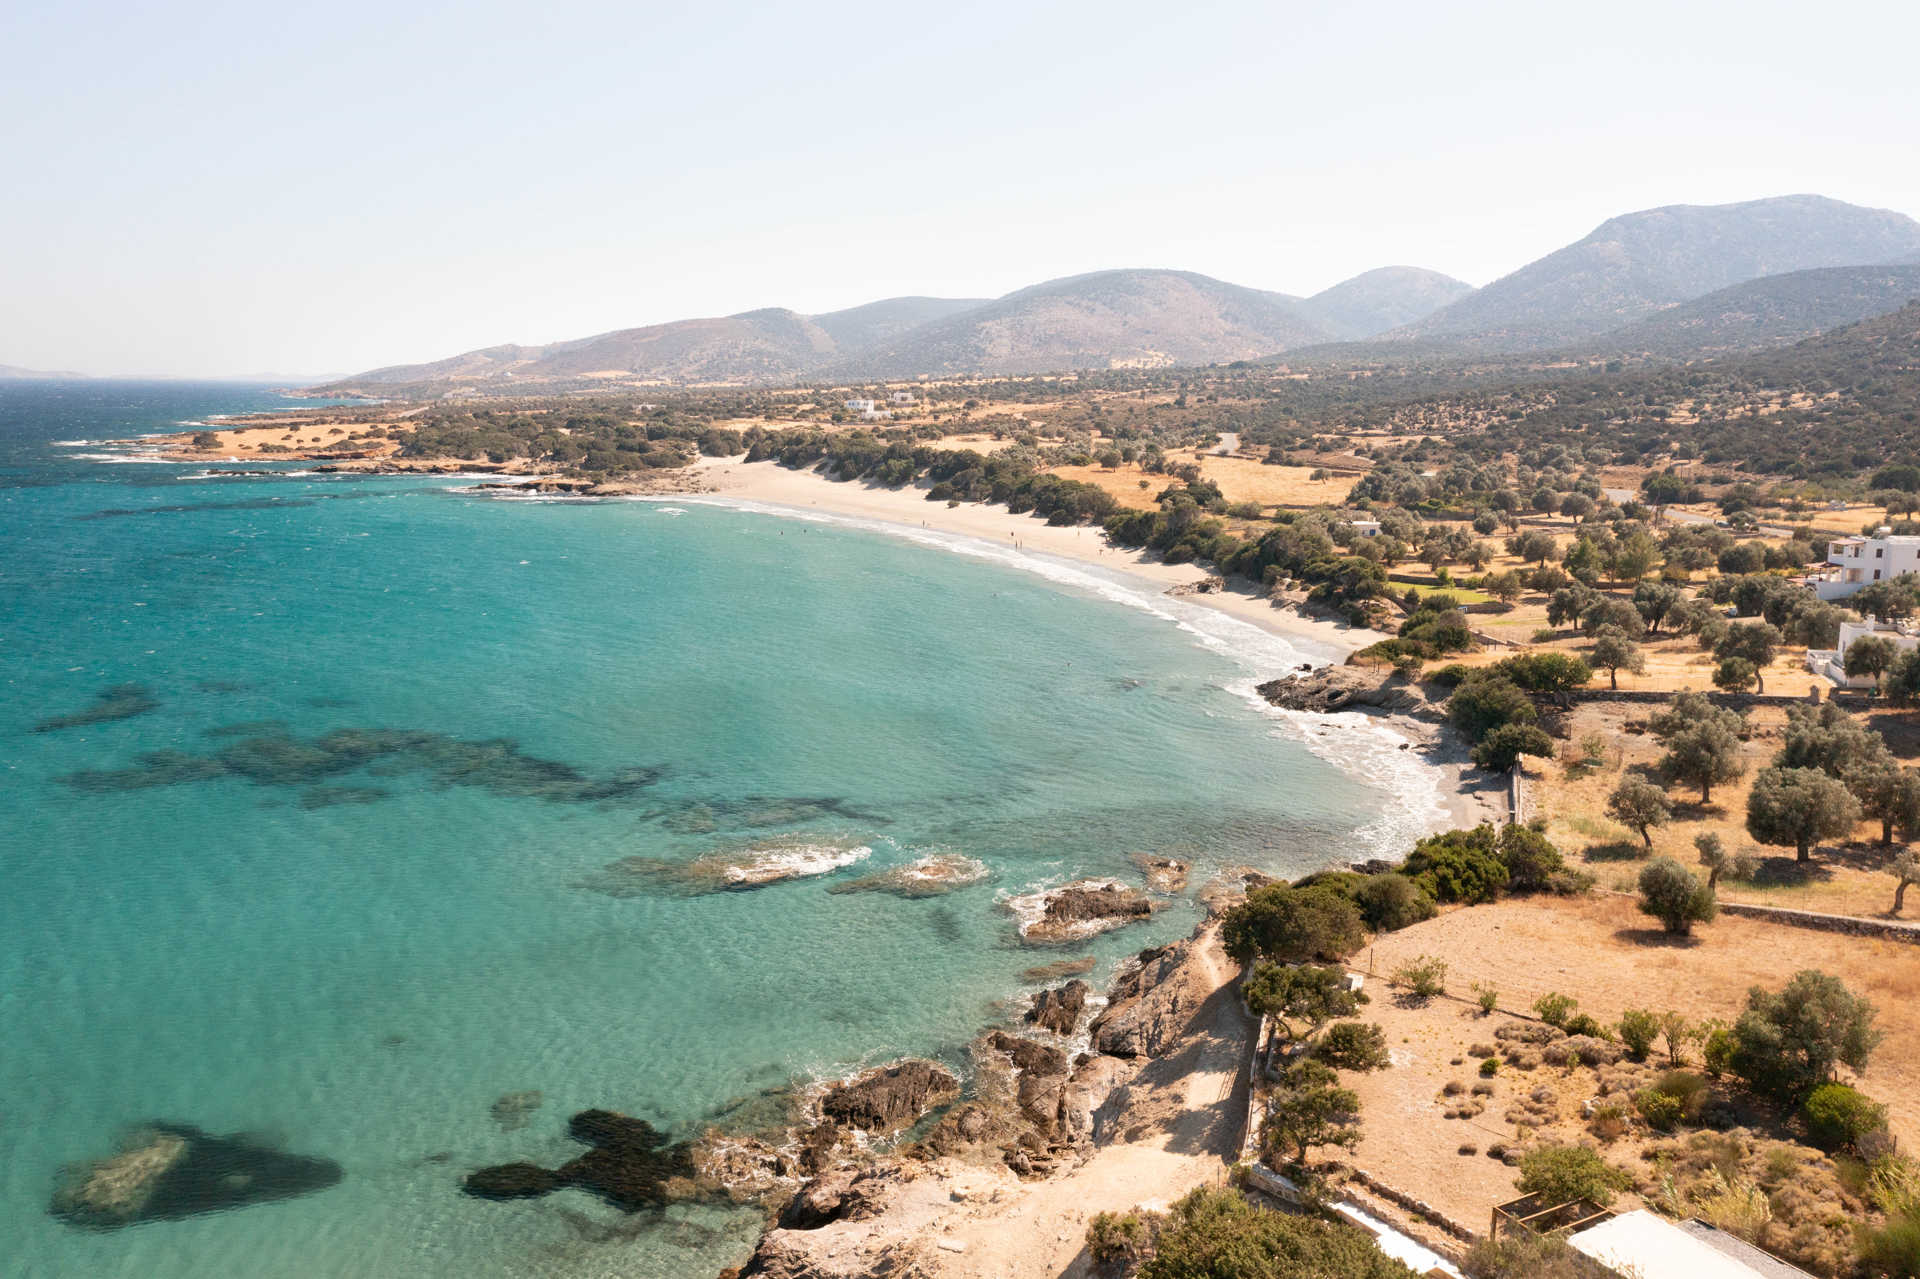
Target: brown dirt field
(1603, 952)
(1844, 880)
(1245, 480)
(1122, 483)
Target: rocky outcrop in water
(1163, 874)
(1059, 1010)
(630, 1165)
(891, 1097)
(735, 869)
(928, 876)
(1348, 688)
(168, 1171)
(1078, 910)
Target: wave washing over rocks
(1075, 911)
(928, 876)
(749, 866)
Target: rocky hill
(1635, 265)
(1776, 310)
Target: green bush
(1562, 1174)
(1293, 925)
(1587, 1024)
(1554, 1009)
(1217, 1234)
(1639, 1029)
(1354, 1045)
(1116, 1239)
(1425, 976)
(1662, 1110)
(1838, 1116)
(1717, 1049)
(1391, 902)
(1490, 1067)
(1459, 865)
(1487, 997)
(1893, 1250)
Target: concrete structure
(900, 397)
(861, 406)
(1832, 662)
(1366, 528)
(1645, 1246)
(1861, 561)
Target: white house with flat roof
(1832, 662)
(1855, 562)
(900, 397)
(1644, 1246)
(860, 406)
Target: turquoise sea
(216, 914)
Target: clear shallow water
(256, 953)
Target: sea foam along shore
(1429, 784)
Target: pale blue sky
(207, 188)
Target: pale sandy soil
(1181, 1130)
(1240, 480)
(1603, 952)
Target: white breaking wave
(766, 865)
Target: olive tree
(1639, 804)
(1704, 754)
(1613, 651)
(1870, 655)
(1798, 807)
(1673, 895)
(1905, 870)
(1787, 1044)
(1750, 641)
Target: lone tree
(1714, 858)
(1671, 894)
(1300, 1000)
(1905, 870)
(1787, 1044)
(1314, 1114)
(1704, 754)
(1871, 655)
(1798, 807)
(1639, 804)
(1613, 652)
(1567, 1174)
(1888, 794)
(1753, 642)
(1735, 675)
(1655, 600)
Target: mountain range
(1675, 282)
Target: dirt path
(1180, 1129)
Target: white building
(1649, 1247)
(1861, 561)
(1832, 662)
(874, 415)
(901, 397)
(861, 406)
(1366, 528)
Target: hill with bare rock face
(1632, 266)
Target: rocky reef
(630, 1165)
(1166, 875)
(1059, 1010)
(750, 865)
(122, 701)
(1078, 910)
(167, 1171)
(889, 1098)
(1348, 688)
(928, 876)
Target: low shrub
(1660, 1109)
(1555, 1009)
(1425, 976)
(1562, 1174)
(1117, 1239)
(1490, 1067)
(1639, 1029)
(1487, 997)
(1838, 1116)
(1586, 1024)
(1354, 1045)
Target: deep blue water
(244, 935)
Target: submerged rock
(122, 701)
(513, 1110)
(747, 866)
(1060, 968)
(631, 1166)
(1078, 910)
(927, 876)
(1164, 874)
(890, 1097)
(169, 1171)
(1059, 1010)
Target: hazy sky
(205, 188)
